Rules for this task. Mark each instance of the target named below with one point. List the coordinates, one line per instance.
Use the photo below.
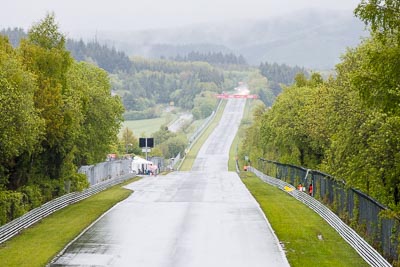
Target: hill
(311, 39)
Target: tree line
(14, 35)
(100, 55)
(280, 74)
(104, 57)
(216, 58)
(156, 82)
(55, 115)
(346, 126)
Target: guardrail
(199, 132)
(12, 228)
(368, 253)
(203, 127)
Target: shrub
(11, 206)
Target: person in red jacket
(310, 190)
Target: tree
(106, 58)
(173, 146)
(129, 141)
(162, 135)
(280, 74)
(374, 73)
(300, 80)
(102, 112)
(383, 16)
(14, 35)
(204, 104)
(55, 115)
(378, 58)
(345, 126)
(44, 55)
(20, 125)
(260, 85)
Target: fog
(75, 17)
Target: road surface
(202, 218)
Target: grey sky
(76, 16)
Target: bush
(173, 146)
(32, 196)
(11, 206)
(79, 182)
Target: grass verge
(233, 154)
(296, 225)
(191, 155)
(39, 244)
(307, 238)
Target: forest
(347, 125)
(159, 81)
(56, 114)
(280, 74)
(153, 82)
(213, 58)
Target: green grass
(233, 154)
(145, 128)
(298, 227)
(39, 244)
(235, 147)
(191, 155)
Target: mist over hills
(312, 39)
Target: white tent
(140, 165)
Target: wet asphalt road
(205, 217)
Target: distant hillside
(102, 56)
(310, 39)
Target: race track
(204, 217)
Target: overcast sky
(76, 16)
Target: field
(145, 128)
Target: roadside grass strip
(39, 244)
(307, 239)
